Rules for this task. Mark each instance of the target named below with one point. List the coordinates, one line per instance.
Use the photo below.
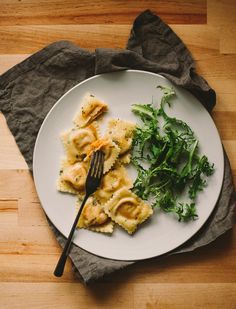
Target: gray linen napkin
(30, 89)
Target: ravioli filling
(127, 209)
(114, 180)
(110, 150)
(94, 218)
(91, 107)
(75, 175)
(83, 137)
(77, 141)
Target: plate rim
(97, 76)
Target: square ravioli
(77, 141)
(90, 108)
(93, 217)
(72, 177)
(110, 150)
(125, 158)
(114, 180)
(121, 133)
(127, 209)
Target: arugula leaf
(145, 111)
(171, 153)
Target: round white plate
(120, 90)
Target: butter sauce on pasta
(113, 202)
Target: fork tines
(96, 165)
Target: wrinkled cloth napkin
(30, 89)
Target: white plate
(120, 90)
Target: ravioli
(127, 209)
(113, 202)
(93, 217)
(114, 180)
(125, 158)
(77, 141)
(90, 108)
(121, 132)
(72, 177)
(110, 150)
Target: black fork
(92, 182)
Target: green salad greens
(165, 153)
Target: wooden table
(28, 249)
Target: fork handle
(58, 272)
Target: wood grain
(10, 157)
(8, 212)
(228, 40)
(184, 296)
(222, 14)
(230, 146)
(149, 296)
(27, 240)
(28, 39)
(203, 41)
(11, 188)
(8, 61)
(32, 268)
(42, 12)
(205, 278)
(66, 295)
(226, 122)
